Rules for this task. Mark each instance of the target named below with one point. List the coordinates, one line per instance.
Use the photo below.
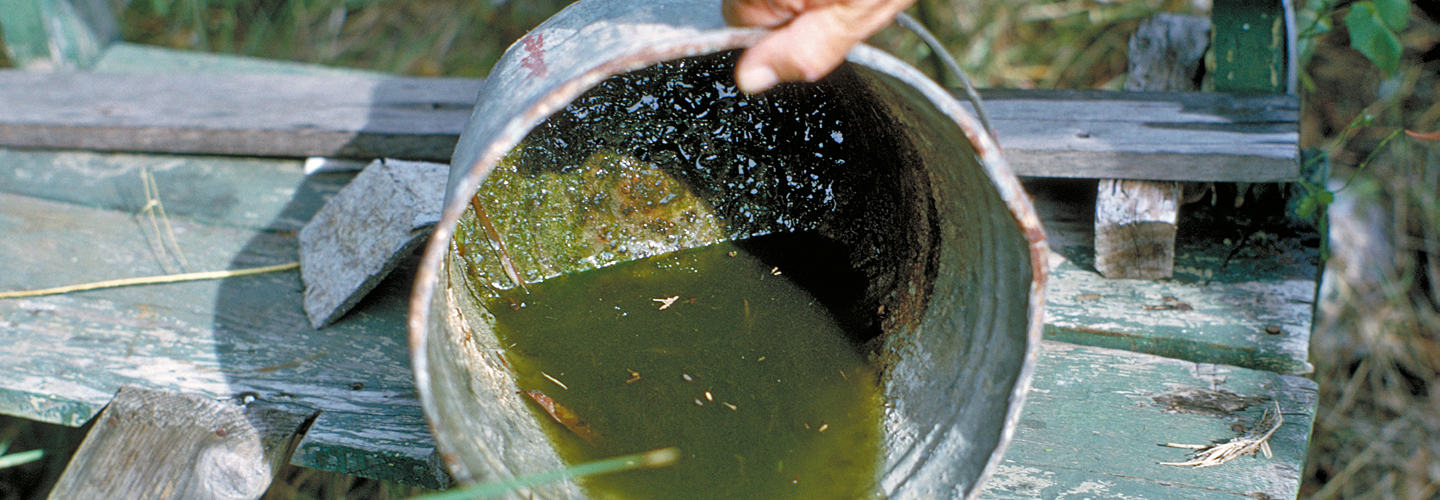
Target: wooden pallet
(71, 217)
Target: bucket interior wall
(951, 377)
(947, 257)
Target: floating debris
(557, 382)
(565, 416)
(666, 302)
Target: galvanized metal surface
(957, 374)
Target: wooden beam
(1135, 219)
(247, 115)
(1078, 134)
(151, 444)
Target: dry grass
(1376, 343)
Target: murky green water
(715, 350)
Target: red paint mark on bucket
(534, 59)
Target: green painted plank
(1249, 46)
(1229, 302)
(384, 449)
(240, 192)
(1092, 428)
(63, 357)
(1226, 322)
(52, 35)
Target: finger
(806, 49)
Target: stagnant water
(715, 350)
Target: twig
(1255, 440)
(151, 280)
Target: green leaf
(1395, 13)
(1370, 35)
(1306, 208)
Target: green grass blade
(21, 458)
(649, 459)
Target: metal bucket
(964, 296)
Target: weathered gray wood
(122, 57)
(1135, 219)
(150, 444)
(1095, 420)
(1167, 52)
(1179, 136)
(62, 358)
(1135, 228)
(255, 115)
(367, 229)
(1080, 134)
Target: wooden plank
(1081, 134)
(1095, 420)
(151, 444)
(63, 357)
(365, 231)
(252, 193)
(1168, 136)
(1221, 307)
(1135, 228)
(235, 114)
(1251, 49)
(122, 57)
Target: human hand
(810, 37)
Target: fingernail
(754, 79)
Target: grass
(1014, 44)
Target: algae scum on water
(712, 350)
(670, 262)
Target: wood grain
(1135, 219)
(63, 358)
(365, 231)
(1135, 228)
(1095, 419)
(1081, 134)
(151, 444)
(251, 115)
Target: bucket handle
(939, 50)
